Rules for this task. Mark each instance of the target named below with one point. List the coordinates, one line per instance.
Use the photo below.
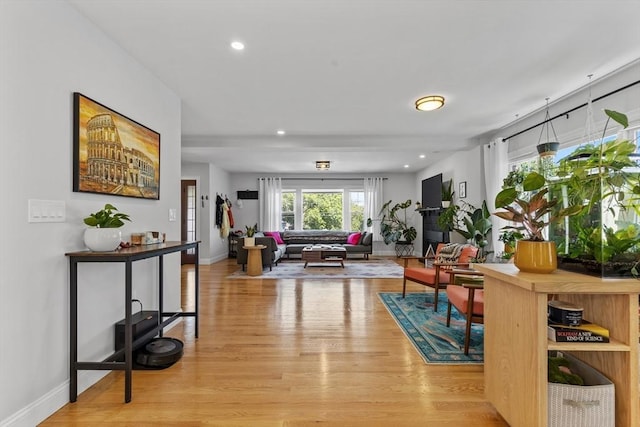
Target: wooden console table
(516, 344)
(127, 256)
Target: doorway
(188, 210)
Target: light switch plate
(173, 214)
(47, 211)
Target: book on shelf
(586, 332)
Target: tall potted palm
(532, 210)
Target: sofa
(296, 240)
(289, 244)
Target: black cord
(138, 301)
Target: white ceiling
(341, 76)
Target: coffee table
(324, 254)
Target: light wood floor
(289, 353)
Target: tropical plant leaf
(618, 117)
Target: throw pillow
(449, 253)
(353, 238)
(276, 236)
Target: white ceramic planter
(102, 239)
(249, 241)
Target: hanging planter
(547, 149)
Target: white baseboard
(39, 410)
(42, 408)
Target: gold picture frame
(113, 154)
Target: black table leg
(73, 330)
(128, 336)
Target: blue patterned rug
(428, 331)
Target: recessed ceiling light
(280, 132)
(237, 45)
(422, 156)
(406, 166)
(429, 103)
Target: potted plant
(103, 234)
(447, 193)
(532, 210)
(394, 227)
(509, 238)
(250, 230)
(475, 226)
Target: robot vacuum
(159, 353)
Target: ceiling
(341, 76)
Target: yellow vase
(536, 257)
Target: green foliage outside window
(322, 211)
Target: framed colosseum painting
(113, 154)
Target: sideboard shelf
(516, 344)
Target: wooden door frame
(187, 257)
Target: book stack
(586, 332)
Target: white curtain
(373, 201)
(270, 201)
(496, 168)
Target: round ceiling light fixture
(237, 45)
(430, 103)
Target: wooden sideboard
(516, 344)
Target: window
(356, 210)
(323, 209)
(288, 210)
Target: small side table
(254, 259)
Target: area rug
(353, 269)
(428, 331)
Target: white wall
(211, 181)
(48, 51)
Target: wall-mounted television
(432, 192)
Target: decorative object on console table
(533, 211)
(103, 164)
(104, 236)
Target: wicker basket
(590, 405)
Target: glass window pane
(356, 210)
(288, 210)
(322, 210)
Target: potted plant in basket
(103, 234)
(532, 210)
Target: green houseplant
(532, 210)
(250, 231)
(103, 234)
(447, 193)
(475, 226)
(509, 238)
(394, 224)
(603, 238)
(107, 217)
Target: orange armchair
(466, 294)
(436, 276)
